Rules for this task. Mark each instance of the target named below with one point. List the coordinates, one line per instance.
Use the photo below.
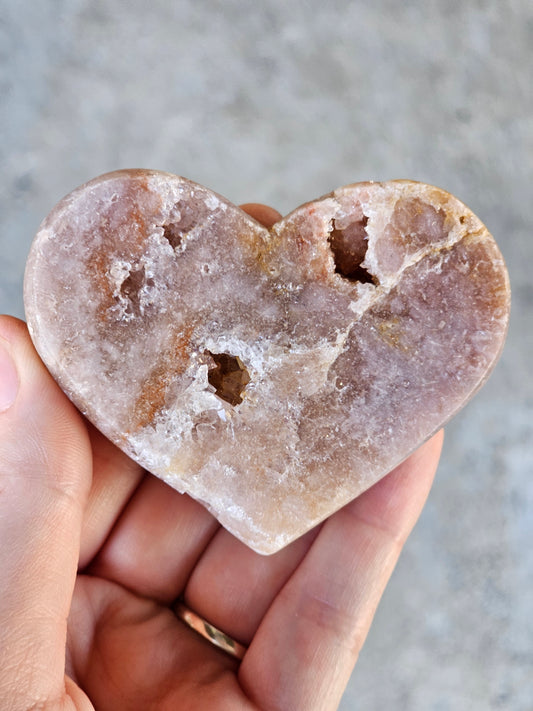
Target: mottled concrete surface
(281, 102)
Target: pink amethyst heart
(276, 374)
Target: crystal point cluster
(275, 374)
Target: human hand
(95, 551)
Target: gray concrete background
(281, 102)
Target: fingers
(156, 542)
(264, 214)
(115, 478)
(45, 474)
(232, 587)
(307, 645)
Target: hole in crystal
(349, 247)
(174, 232)
(228, 376)
(132, 285)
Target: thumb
(45, 473)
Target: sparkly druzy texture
(276, 374)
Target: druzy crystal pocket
(271, 374)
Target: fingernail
(9, 379)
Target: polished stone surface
(274, 375)
(281, 104)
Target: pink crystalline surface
(271, 374)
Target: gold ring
(206, 630)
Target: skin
(95, 550)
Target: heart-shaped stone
(276, 374)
